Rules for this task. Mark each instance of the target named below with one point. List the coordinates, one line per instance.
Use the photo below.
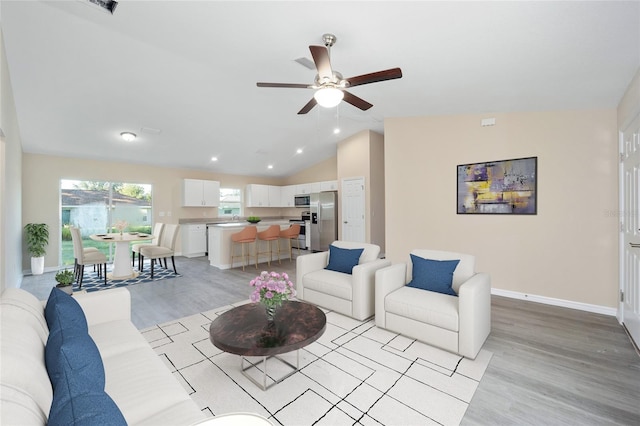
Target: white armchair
(458, 324)
(351, 295)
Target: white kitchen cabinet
(303, 188)
(315, 187)
(194, 239)
(200, 193)
(329, 185)
(275, 196)
(287, 195)
(257, 195)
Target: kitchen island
(220, 242)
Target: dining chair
(86, 256)
(75, 258)
(291, 234)
(135, 248)
(244, 238)
(163, 250)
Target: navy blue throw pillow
(87, 409)
(73, 355)
(343, 260)
(63, 311)
(433, 275)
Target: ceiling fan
(329, 84)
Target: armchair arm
(474, 310)
(104, 306)
(363, 283)
(309, 263)
(387, 280)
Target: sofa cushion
(26, 392)
(76, 351)
(432, 308)
(433, 275)
(62, 310)
(343, 260)
(329, 282)
(31, 307)
(135, 381)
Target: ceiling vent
(108, 6)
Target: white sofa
(139, 383)
(458, 324)
(348, 294)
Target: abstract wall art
(498, 187)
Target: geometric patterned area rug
(91, 282)
(355, 374)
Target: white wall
(10, 182)
(568, 251)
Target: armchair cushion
(342, 259)
(330, 282)
(433, 275)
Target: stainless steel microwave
(302, 200)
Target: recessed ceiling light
(214, 158)
(128, 136)
(270, 166)
(336, 130)
(299, 151)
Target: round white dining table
(122, 269)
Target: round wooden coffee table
(245, 331)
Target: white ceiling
(189, 69)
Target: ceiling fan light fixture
(328, 97)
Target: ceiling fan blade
(374, 77)
(285, 85)
(356, 101)
(308, 107)
(320, 56)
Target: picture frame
(498, 187)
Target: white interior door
(353, 210)
(630, 228)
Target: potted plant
(37, 240)
(65, 281)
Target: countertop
(242, 221)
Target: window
(230, 202)
(94, 206)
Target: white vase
(37, 265)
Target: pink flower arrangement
(272, 288)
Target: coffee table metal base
(263, 385)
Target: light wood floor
(550, 365)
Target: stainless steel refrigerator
(324, 219)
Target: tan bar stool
(244, 237)
(269, 235)
(291, 234)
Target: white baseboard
(26, 272)
(598, 309)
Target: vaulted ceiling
(182, 74)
